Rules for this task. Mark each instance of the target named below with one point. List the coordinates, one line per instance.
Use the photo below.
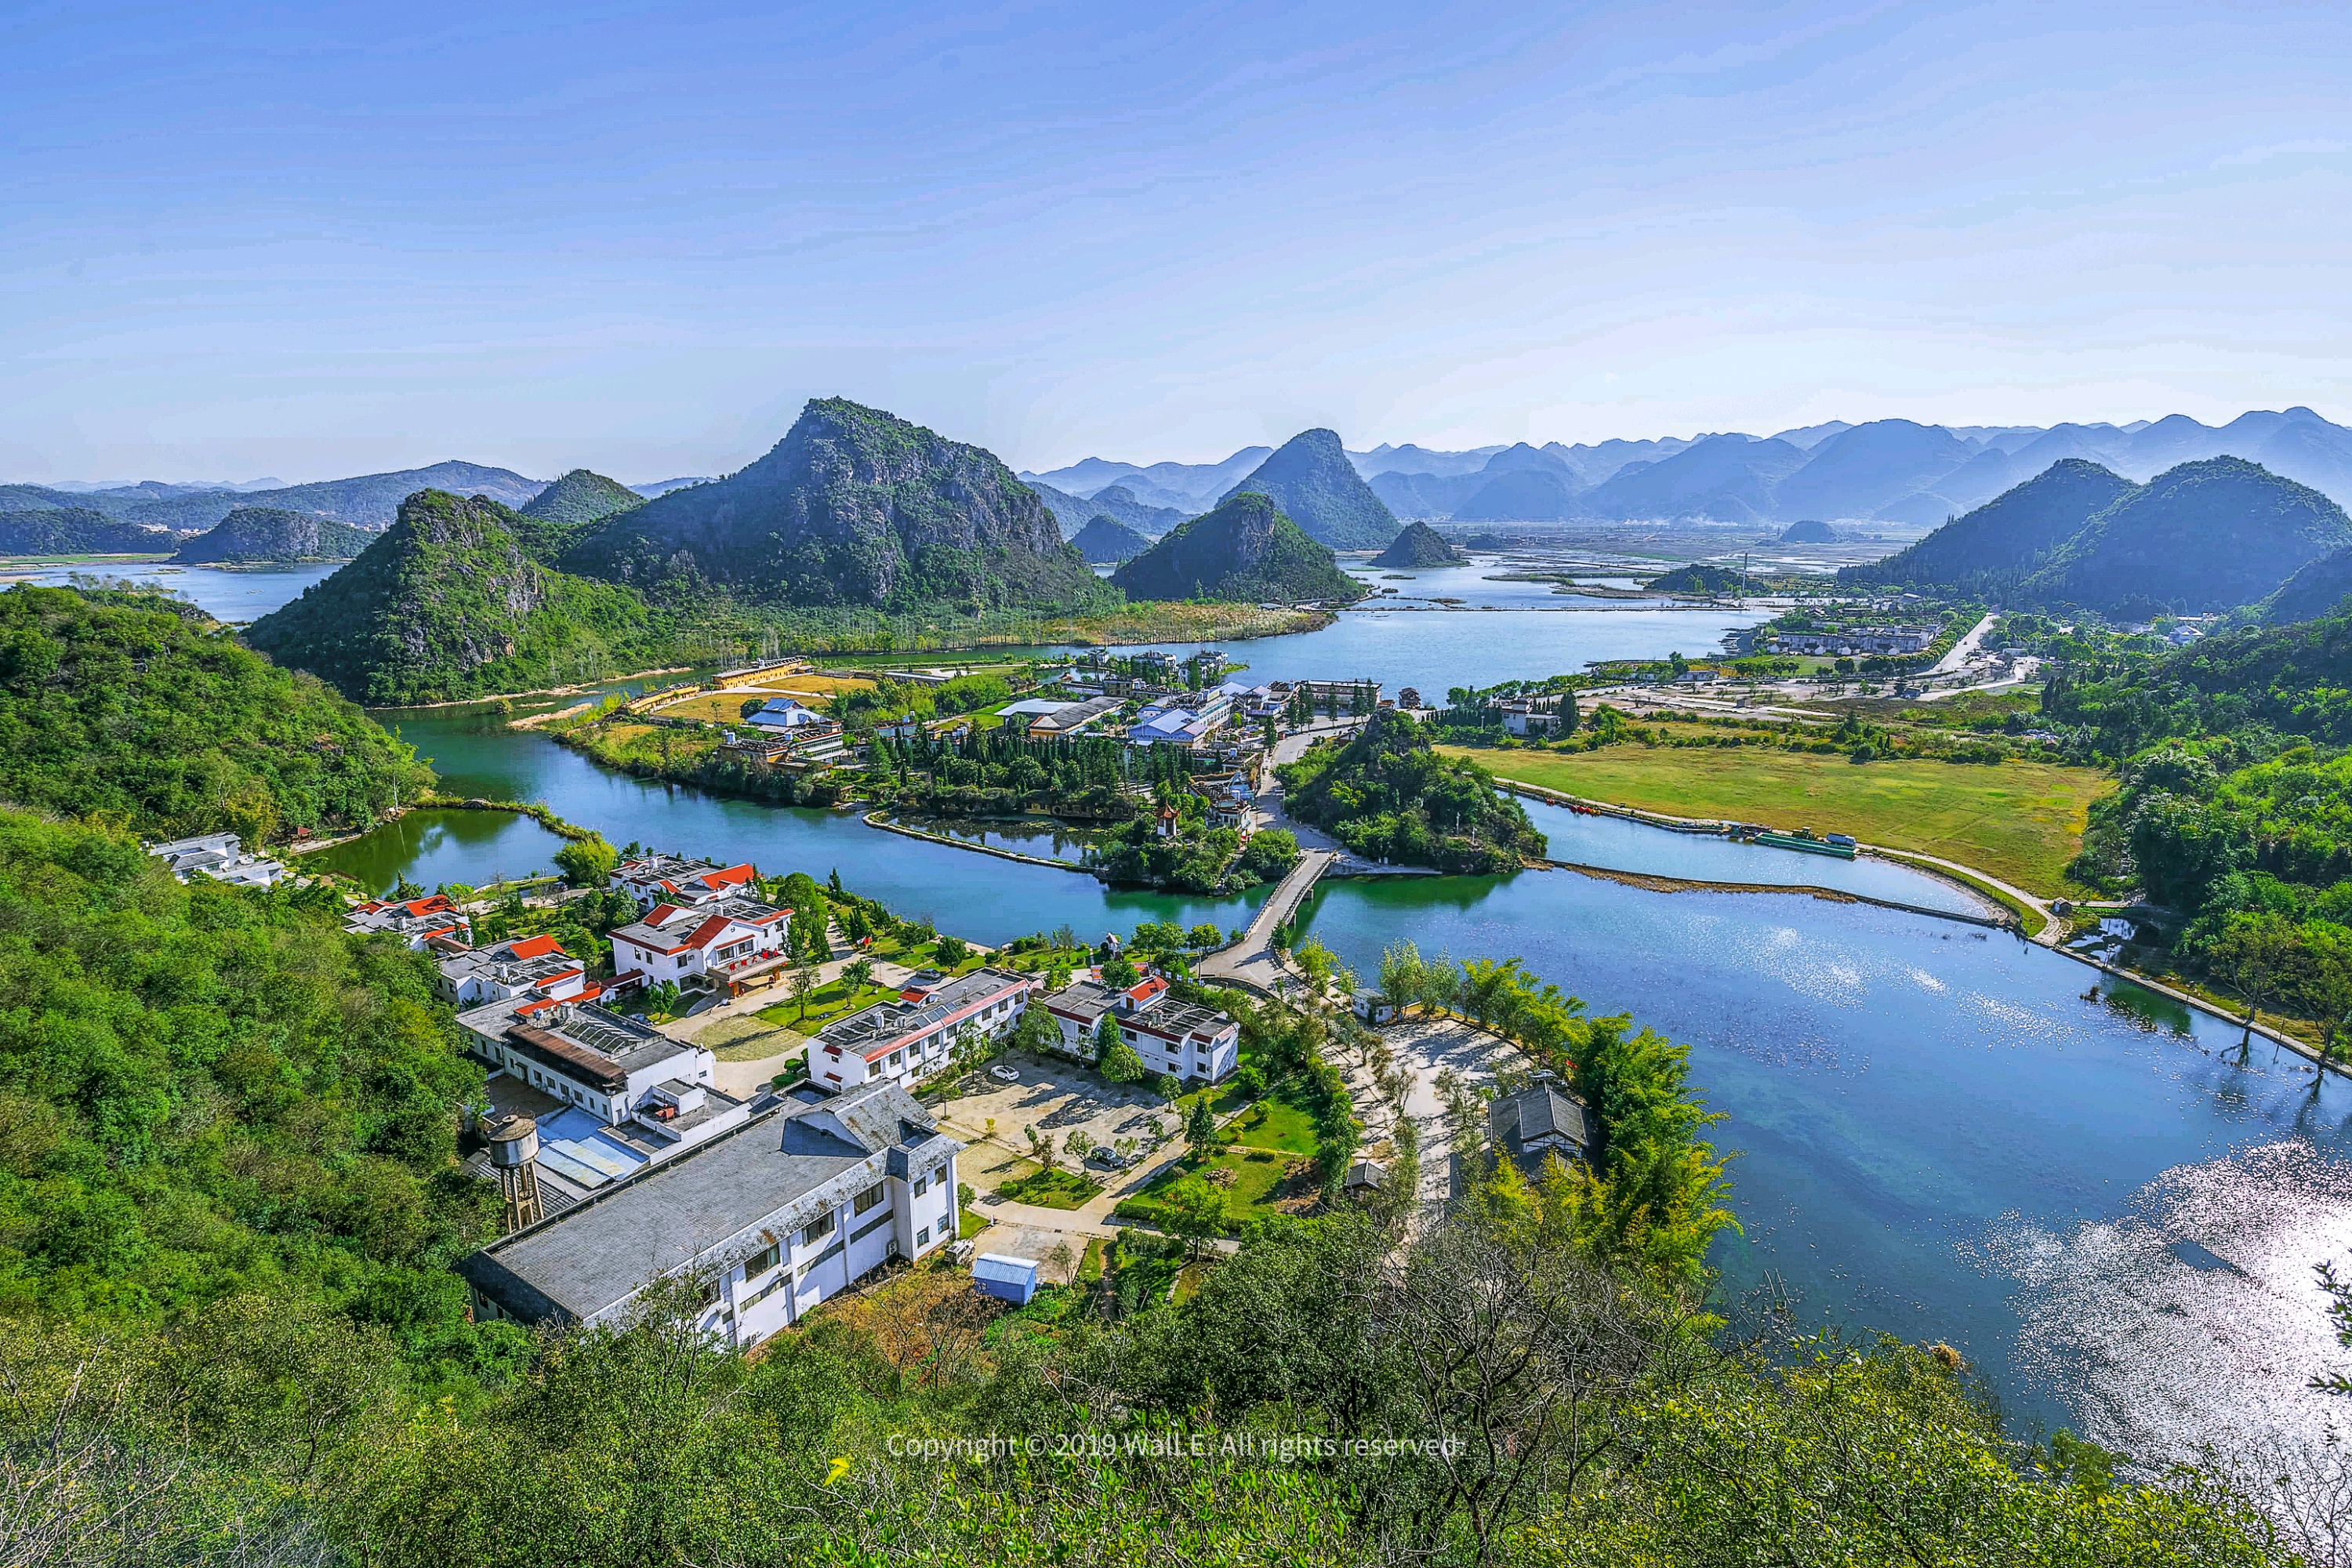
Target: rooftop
(1537, 1122)
(580, 1041)
(885, 1022)
(776, 1172)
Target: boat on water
(1839, 845)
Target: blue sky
(307, 241)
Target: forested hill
(2208, 535)
(1995, 546)
(1388, 795)
(448, 604)
(855, 507)
(1312, 479)
(2293, 679)
(1418, 545)
(75, 531)
(1246, 552)
(273, 533)
(155, 719)
(567, 510)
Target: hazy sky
(310, 239)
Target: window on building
(820, 1226)
(761, 1261)
(922, 1185)
(923, 1237)
(868, 1200)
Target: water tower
(514, 1151)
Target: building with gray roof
(1536, 1124)
(764, 1222)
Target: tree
(1037, 1029)
(1192, 1211)
(1118, 973)
(804, 983)
(950, 951)
(1106, 1040)
(1040, 1146)
(1200, 1126)
(858, 972)
(1122, 1064)
(1166, 1087)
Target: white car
(1010, 1075)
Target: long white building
(912, 1035)
(766, 1221)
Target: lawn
(829, 1001)
(1257, 1178)
(726, 707)
(1055, 1189)
(1285, 1126)
(2022, 822)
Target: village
(786, 1092)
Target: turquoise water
(1623, 845)
(1936, 1134)
(430, 847)
(236, 596)
(1431, 649)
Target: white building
(605, 1063)
(765, 1221)
(912, 1037)
(528, 966)
(416, 921)
(1172, 1036)
(719, 940)
(681, 883)
(220, 856)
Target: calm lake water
(235, 596)
(1936, 1134)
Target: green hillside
(567, 510)
(1312, 479)
(853, 508)
(2204, 536)
(1386, 794)
(1995, 546)
(1245, 551)
(257, 533)
(448, 604)
(154, 717)
(1418, 545)
(75, 531)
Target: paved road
(1963, 650)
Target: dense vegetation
(1992, 549)
(1311, 481)
(853, 508)
(448, 604)
(552, 520)
(1387, 796)
(1534, 1366)
(75, 531)
(2204, 536)
(1418, 544)
(214, 1093)
(1246, 550)
(256, 533)
(137, 709)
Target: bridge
(1249, 962)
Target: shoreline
(881, 819)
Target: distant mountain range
(369, 500)
(1888, 470)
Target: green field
(1055, 1189)
(2022, 822)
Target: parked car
(1109, 1158)
(1009, 1074)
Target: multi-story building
(762, 1222)
(720, 941)
(681, 883)
(416, 921)
(1172, 1036)
(528, 966)
(912, 1035)
(221, 856)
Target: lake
(1936, 1134)
(245, 594)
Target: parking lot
(1057, 1098)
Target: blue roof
(1001, 1270)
